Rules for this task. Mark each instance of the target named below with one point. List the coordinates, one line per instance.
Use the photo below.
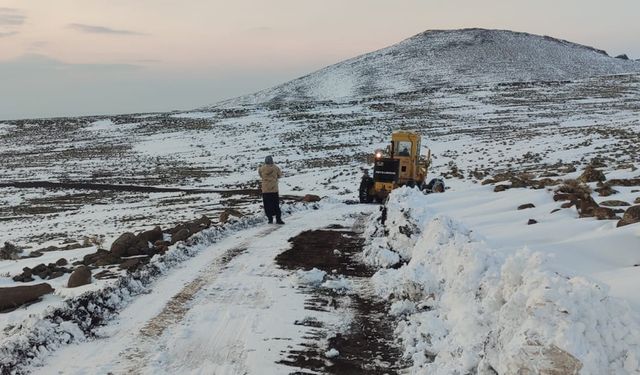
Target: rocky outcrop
(14, 297)
(591, 174)
(631, 216)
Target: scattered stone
(488, 181)
(80, 276)
(14, 297)
(606, 191)
(61, 262)
(555, 210)
(614, 203)
(43, 271)
(591, 174)
(525, 206)
(604, 213)
(569, 168)
(532, 221)
(631, 216)
(500, 188)
(637, 201)
(624, 182)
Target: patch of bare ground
(367, 345)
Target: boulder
(637, 201)
(180, 235)
(532, 221)
(591, 174)
(80, 276)
(149, 236)
(61, 262)
(311, 198)
(631, 216)
(525, 206)
(500, 188)
(120, 247)
(14, 297)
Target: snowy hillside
(452, 58)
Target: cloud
(10, 21)
(31, 63)
(7, 34)
(92, 29)
(11, 17)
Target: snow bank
(469, 308)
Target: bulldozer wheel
(364, 192)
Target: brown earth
(367, 346)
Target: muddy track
(367, 345)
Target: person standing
(270, 173)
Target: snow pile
(469, 308)
(312, 277)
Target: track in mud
(367, 346)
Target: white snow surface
(485, 308)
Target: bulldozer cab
(405, 147)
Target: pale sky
(77, 57)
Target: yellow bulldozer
(401, 164)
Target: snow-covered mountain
(448, 57)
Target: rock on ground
(80, 276)
(13, 297)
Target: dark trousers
(271, 203)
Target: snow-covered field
(474, 287)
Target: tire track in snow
(137, 354)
